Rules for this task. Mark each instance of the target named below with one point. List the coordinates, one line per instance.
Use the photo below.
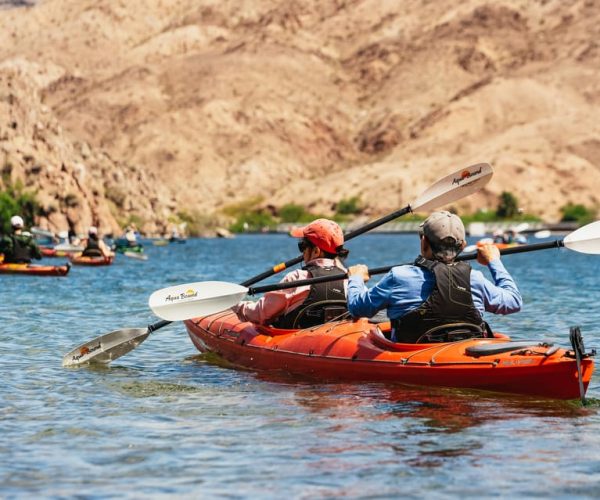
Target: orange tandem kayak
(358, 351)
(34, 270)
(80, 260)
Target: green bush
(294, 213)
(15, 201)
(248, 217)
(256, 220)
(349, 206)
(577, 213)
(508, 207)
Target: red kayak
(80, 260)
(359, 351)
(60, 250)
(34, 270)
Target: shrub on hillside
(294, 213)
(577, 213)
(15, 201)
(508, 207)
(349, 206)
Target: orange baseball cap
(323, 233)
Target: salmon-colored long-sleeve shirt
(273, 304)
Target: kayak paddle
(181, 302)
(451, 188)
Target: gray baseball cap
(446, 233)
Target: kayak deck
(358, 351)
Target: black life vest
(324, 302)
(21, 250)
(450, 303)
(92, 248)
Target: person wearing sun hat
(322, 246)
(19, 247)
(426, 299)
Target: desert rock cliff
(200, 104)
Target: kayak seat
(379, 338)
(452, 332)
(321, 312)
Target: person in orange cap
(322, 247)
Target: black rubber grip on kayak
(498, 348)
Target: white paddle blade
(524, 226)
(470, 248)
(544, 233)
(106, 348)
(136, 255)
(181, 302)
(454, 187)
(585, 240)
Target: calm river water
(165, 421)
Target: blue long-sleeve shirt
(405, 288)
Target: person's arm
(3, 247)
(273, 304)
(363, 302)
(104, 248)
(4, 244)
(36, 253)
(502, 296)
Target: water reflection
(166, 421)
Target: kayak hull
(60, 251)
(34, 270)
(357, 351)
(81, 260)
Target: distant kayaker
(94, 246)
(131, 236)
(19, 247)
(322, 247)
(509, 237)
(424, 298)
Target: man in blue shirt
(435, 291)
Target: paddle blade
(454, 187)
(106, 348)
(523, 226)
(136, 255)
(181, 302)
(544, 233)
(585, 240)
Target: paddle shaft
(352, 234)
(385, 269)
(158, 324)
(280, 267)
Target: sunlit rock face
(196, 105)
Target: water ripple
(164, 421)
